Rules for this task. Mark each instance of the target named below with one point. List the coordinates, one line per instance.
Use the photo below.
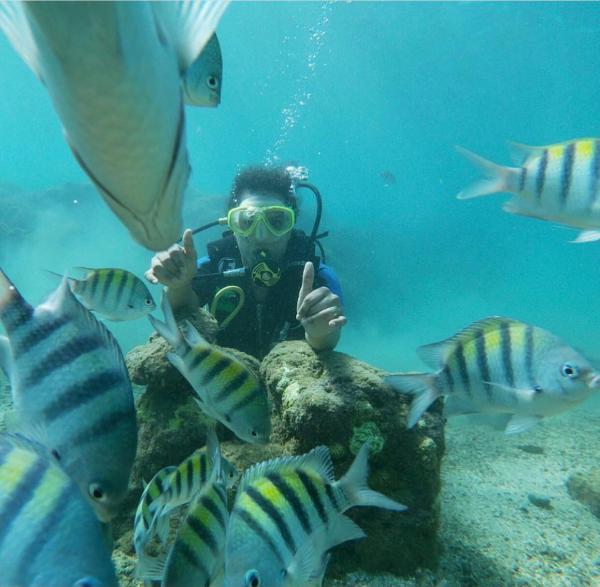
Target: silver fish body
(203, 80)
(559, 183)
(287, 515)
(49, 535)
(500, 365)
(116, 294)
(71, 390)
(112, 70)
(227, 390)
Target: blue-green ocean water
(353, 90)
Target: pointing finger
(188, 245)
(308, 276)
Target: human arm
(175, 268)
(320, 312)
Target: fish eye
(568, 370)
(96, 492)
(252, 579)
(148, 302)
(212, 82)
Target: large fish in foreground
(113, 71)
(288, 514)
(227, 390)
(49, 535)
(71, 391)
(499, 365)
(559, 183)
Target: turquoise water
(353, 90)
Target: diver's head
(261, 212)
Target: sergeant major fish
(197, 555)
(203, 79)
(287, 515)
(227, 390)
(113, 71)
(499, 365)
(116, 294)
(560, 183)
(71, 389)
(49, 535)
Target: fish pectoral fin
(523, 393)
(587, 236)
(15, 25)
(188, 26)
(520, 423)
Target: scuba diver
(262, 281)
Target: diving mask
(279, 220)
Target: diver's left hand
(320, 311)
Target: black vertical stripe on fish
(238, 381)
(330, 491)
(36, 335)
(178, 484)
(214, 509)
(313, 493)
(192, 558)
(50, 523)
(108, 279)
(506, 346)
(82, 392)
(540, 176)
(529, 349)
(190, 474)
(62, 356)
(260, 532)
(159, 484)
(274, 515)
(462, 368)
(93, 281)
(292, 498)
(177, 145)
(448, 378)
(482, 363)
(246, 401)
(203, 467)
(125, 277)
(522, 178)
(204, 534)
(15, 315)
(20, 496)
(198, 357)
(221, 364)
(566, 173)
(594, 175)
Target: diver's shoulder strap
(300, 250)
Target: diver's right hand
(176, 266)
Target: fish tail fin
(421, 385)
(13, 308)
(167, 329)
(498, 177)
(73, 283)
(355, 485)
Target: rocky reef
(317, 398)
(584, 486)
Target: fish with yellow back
(559, 183)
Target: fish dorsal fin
(436, 355)
(188, 26)
(519, 153)
(14, 24)
(317, 461)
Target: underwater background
(372, 98)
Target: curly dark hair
(259, 179)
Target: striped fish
(499, 365)
(49, 535)
(190, 476)
(559, 183)
(116, 294)
(144, 517)
(288, 513)
(227, 390)
(197, 555)
(71, 390)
